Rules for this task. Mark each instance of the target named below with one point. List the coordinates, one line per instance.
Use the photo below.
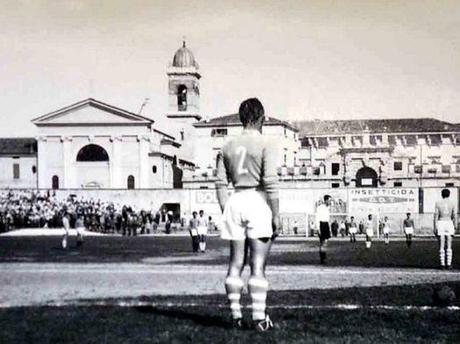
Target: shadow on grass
(178, 313)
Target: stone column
(42, 168)
(144, 142)
(115, 163)
(67, 160)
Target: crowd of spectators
(41, 209)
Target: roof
(234, 120)
(400, 125)
(18, 146)
(184, 58)
(94, 103)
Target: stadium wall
(297, 206)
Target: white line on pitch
(173, 270)
(134, 303)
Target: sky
(317, 59)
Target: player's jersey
(249, 161)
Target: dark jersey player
(251, 213)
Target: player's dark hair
(445, 193)
(408, 214)
(251, 110)
(326, 197)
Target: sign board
(378, 200)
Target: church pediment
(91, 112)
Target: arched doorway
(130, 182)
(55, 182)
(92, 167)
(366, 177)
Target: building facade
(91, 144)
(423, 152)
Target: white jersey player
(202, 230)
(445, 218)
(369, 231)
(251, 214)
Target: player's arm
(222, 181)
(454, 217)
(436, 216)
(271, 185)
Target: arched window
(92, 153)
(55, 182)
(131, 182)
(366, 177)
(154, 168)
(182, 97)
(34, 169)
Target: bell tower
(184, 96)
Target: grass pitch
(379, 314)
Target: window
(397, 184)
(335, 167)
(397, 166)
(182, 98)
(218, 132)
(182, 135)
(154, 168)
(92, 153)
(335, 185)
(450, 185)
(130, 182)
(16, 171)
(34, 169)
(55, 182)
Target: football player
(445, 218)
(202, 229)
(66, 225)
(386, 230)
(408, 229)
(322, 224)
(353, 229)
(369, 231)
(251, 213)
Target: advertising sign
(376, 200)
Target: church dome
(184, 58)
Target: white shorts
(408, 230)
(352, 230)
(202, 230)
(386, 231)
(445, 227)
(369, 232)
(246, 215)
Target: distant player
(386, 230)
(66, 225)
(193, 231)
(408, 229)
(251, 213)
(369, 231)
(353, 229)
(80, 226)
(202, 228)
(322, 224)
(445, 218)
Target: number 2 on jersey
(241, 151)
